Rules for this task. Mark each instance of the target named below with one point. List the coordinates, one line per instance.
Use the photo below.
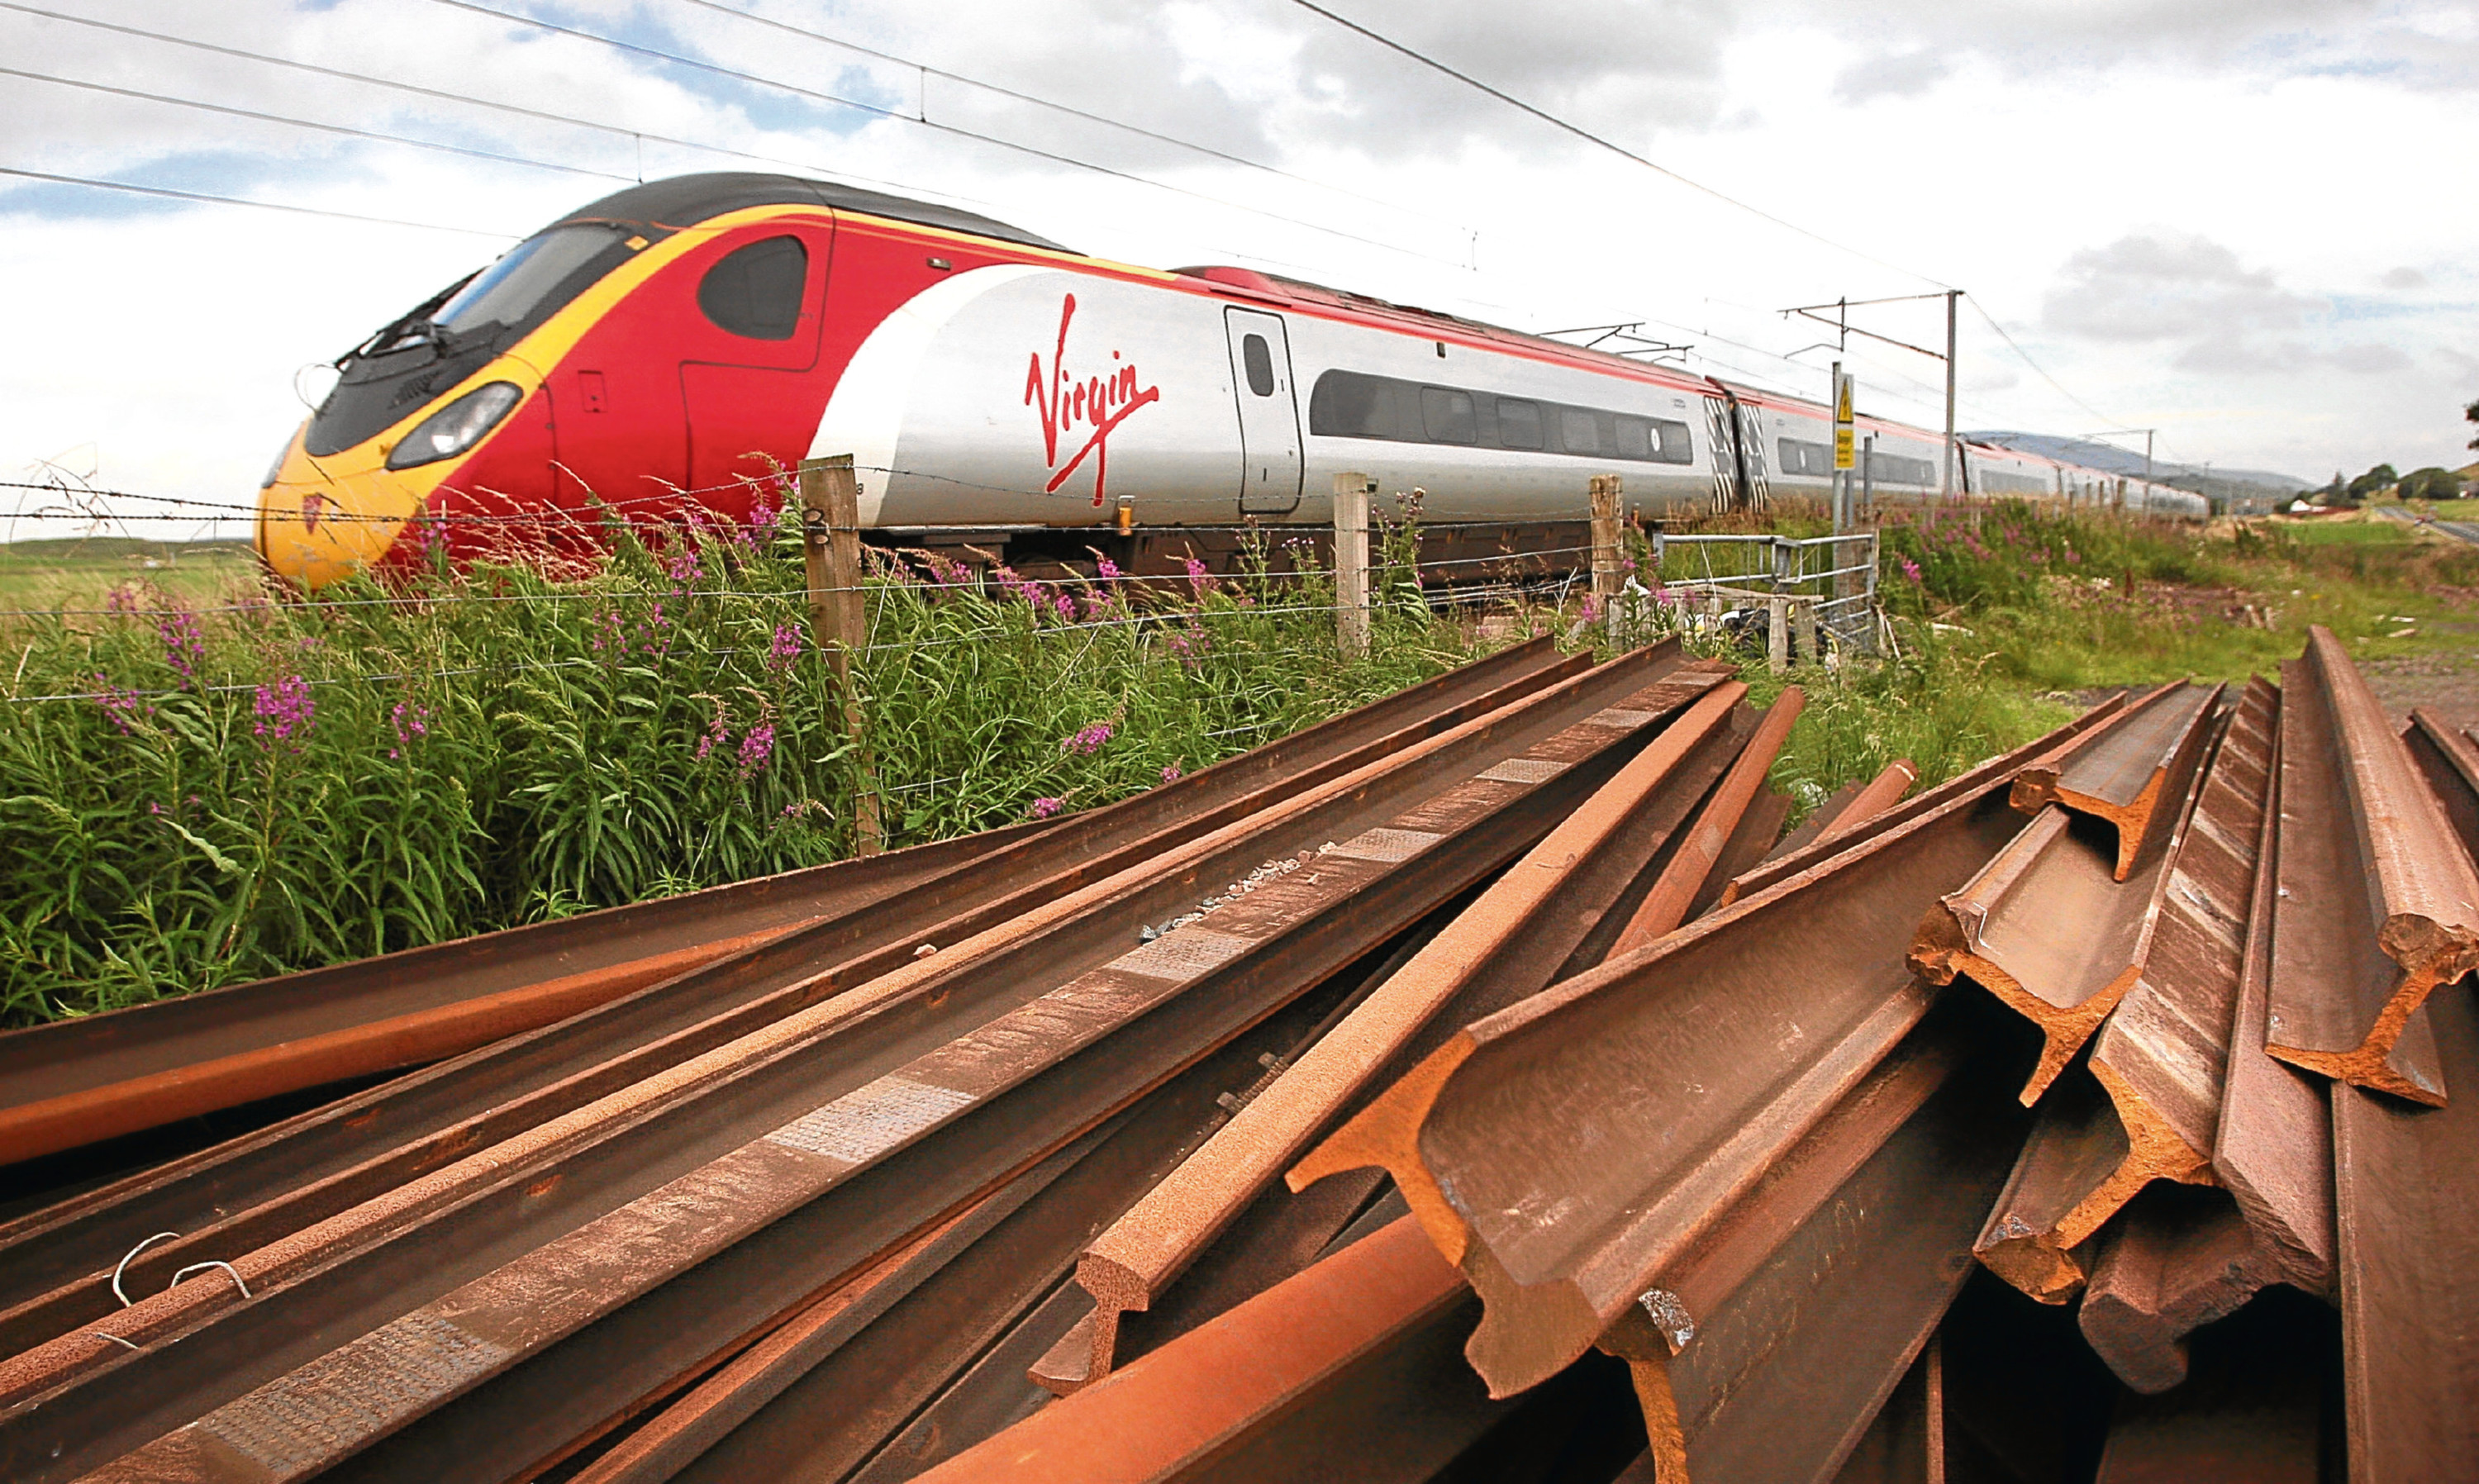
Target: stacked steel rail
(1479, 1085)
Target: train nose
(321, 523)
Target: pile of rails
(1473, 1086)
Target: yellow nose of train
(321, 520)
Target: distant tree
(2431, 484)
(2375, 481)
(2471, 414)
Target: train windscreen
(510, 289)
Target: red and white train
(664, 344)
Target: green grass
(220, 796)
(224, 795)
(2010, 619)
(35, 575)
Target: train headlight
(457, 427)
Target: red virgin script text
(1066, 402)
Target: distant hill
(2220, 485)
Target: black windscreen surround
(1348, 404)
(756, 291)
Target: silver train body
(1053, 395)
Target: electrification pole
(1953, 299)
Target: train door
(1720, 436)
(1269, 418)
(748, 347)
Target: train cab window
(1446, 416)
(756, 291)
(509, 290)
(1578, 431)
(1519, 424)
(1259, 362)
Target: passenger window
(1345, 405)
(1576, 431)
(756, 291)
(1636, 437)
(1446, 416)
(1259, 363)
(1519, 424)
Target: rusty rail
(1692, 1064)
(2408, 1211)
(1130, 1264)
(2351, 967)
(2132, 780)
(55, 1266)
(1701, 851)
(732, 1153)
(2083, 732)
(2449, 761)
(2053, 927)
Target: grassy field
(2009, 621)
(35, 575)
(193, 798)
(198, 786)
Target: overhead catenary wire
(927, 71)
(1581, 133)
(374, 134)
(657, 54)
(445, 95)
(210, 198)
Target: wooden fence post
(838, 618)
(1777, 635)
(1351, 564)
(1607, 488)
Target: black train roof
(684, 200)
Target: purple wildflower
(1065, 607)
(1171, 774)
(757, 747)
(1043, 808)
(1199, 581)
(410, 721)
(121, 600)
(121, 705)
(1109, 570)
(1086, 742)
(683, 566)
(784, 648)
(284, 710)
(1911, 569)
(183, 646)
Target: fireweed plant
(279, 784)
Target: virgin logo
(1097, 405)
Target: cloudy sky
(2245, 223)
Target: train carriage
(669, 347)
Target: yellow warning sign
(1844, 451)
